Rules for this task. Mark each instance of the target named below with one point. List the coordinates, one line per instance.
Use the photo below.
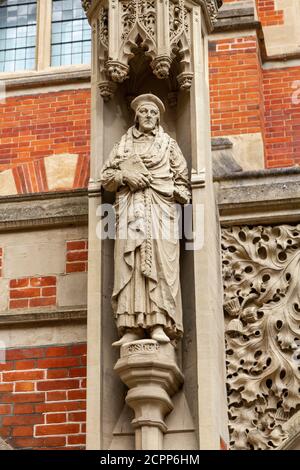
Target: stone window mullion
(44, 34)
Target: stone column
(208, 289)
(94, 303)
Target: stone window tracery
(71, 35)
(18, 22)
(38, 34)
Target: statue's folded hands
(135, 180)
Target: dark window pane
(17, 35)
(71, 35)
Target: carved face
(147, 117)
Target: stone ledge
(40, 79)
(223, 161)
(259, 197)
(236, 16)
(43, 316)
(253, 175)
(43, 209)
(221, 143)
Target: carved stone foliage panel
(261, 271)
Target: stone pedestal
(152, 375)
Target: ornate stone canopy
(161, 29)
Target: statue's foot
(127, 338)
(159, 335)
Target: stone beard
(149, 174)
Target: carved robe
(146, 282)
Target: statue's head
(148, 110)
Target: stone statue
(149, 174)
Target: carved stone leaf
(248, 394)
(262, 313)
(278, 436)
(234, 398)
(240, 419)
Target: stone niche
(178, 75)
(176, 122)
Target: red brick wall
(245, 98)
(43, 397)
(282, 116)
(223, 445)
(77, 256)
(32, 292)
(36, 126)
(267, 13)
(235, 86)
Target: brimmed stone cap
(147, 98)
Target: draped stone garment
(146, 282)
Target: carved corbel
(161, 66)
(107, 89)
(117, 71)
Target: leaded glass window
(71, 35)
(17, 35)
